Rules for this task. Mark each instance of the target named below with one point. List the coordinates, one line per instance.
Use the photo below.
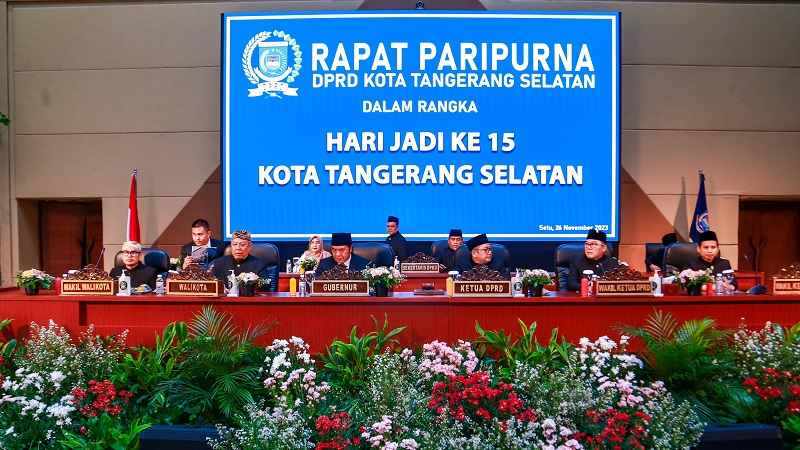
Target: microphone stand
(758, 289)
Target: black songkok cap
(708, 236)
(341, 239)
(669, 238)
(597, 235)
(393, 219)
(455, 232)
(476, 241)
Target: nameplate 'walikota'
(481, 289)
(88, 287)
(194, 288)
(639, 288)
(340, 287)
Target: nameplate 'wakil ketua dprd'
(638, 288)
(340, 287)
(481, 289)
(195, 288)
(88, 287)
(785, 286)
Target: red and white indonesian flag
(132, 233)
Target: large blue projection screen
(500, 123)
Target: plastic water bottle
(396, 263)
(302, 287)
(719, 285)
(288, 266)
(160, 286)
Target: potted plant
(248, 282)
(382, 279)
(693, 280)
(307, 263)
(535, 280)
(33, 279)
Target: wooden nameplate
(785, 286)
(195, 288)
(638, 288)
(340, 287)
(88, 287)
(481, 289)
(419, 267)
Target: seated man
(395, 239)
(140, 273)
(656, 260)
(201, 237)
(342, 253)
(240, 260)
(709, 258)
(447, 257)
(481, 253)
(593, 258)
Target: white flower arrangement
(251, 278)
(691, 277)
(307, 262)
(388, 275)
(33, 278)
(535, 277)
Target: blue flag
(700, 218)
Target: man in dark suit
(342, 253)
(481, 254)
(201, 237)
(240, 260)
(593, 258)
(395, 239)
(447, 256)
(656, 260)
(140, 273)
(709, 259)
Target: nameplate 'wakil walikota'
(481, 289)
(195, 288)
(88, 287)
(639, 288)
(340, 287)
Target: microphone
(100, 257)
(758, 288)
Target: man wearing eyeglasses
(594, 258)
(140, 273)
(240, 260)
(481, 254)
(342, 253)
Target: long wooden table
(320, 320)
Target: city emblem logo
(266, 64)
(702, 222)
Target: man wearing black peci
(593, 258)
(708, 248)
(203, 249)
(395, 239)
(481, 254)
(447, 256)
(342, 253)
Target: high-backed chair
(677, 255)
(379, 253)
(269, 253)
(650, 249)
(438, 246)
(499, 251)
(154, 257)
(565, 253)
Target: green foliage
(526, 349)
(105, 435)
(692, 360)
(346, 362)
(147, 369)
(217, 368)
(7, 348)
